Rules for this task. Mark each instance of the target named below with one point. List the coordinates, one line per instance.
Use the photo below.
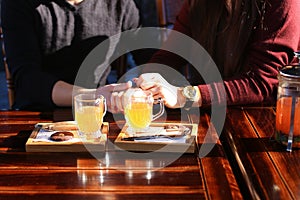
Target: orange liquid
(283, 116)
(89, 119)
(138, 114)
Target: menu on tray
(63, 137)
(163, 137)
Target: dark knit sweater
(46, 41)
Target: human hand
(120, 99)
(113, 94)
(160, 88)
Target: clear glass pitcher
(288, 106)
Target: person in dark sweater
(47, 40)
(249, 41)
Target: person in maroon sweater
(248, 40)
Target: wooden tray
(186, 146)
(75, 145)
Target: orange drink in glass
(89, 112)
(139, 110)
(283, 120)
(288, 106)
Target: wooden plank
(112, 174)
(286, 163)
(85, 176)
(258, 176)
(95, 196)
(218, 175)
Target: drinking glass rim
(147, 95)
(80, 97)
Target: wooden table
(244, 164)
(263, 167)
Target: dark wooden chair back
(167, 11)
(9, 80)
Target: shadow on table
(262, 145)
(16, 143)
(216, 151)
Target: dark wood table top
(263, 167)
(244, 164)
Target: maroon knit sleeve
(271, 48)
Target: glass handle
(102, 101)
(105, 108)
(297, 54)
(161, 109)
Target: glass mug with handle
(89, 112)
(139, 110)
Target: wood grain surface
(111, 174)
(264, 169)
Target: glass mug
(89, 112)
(139, 110)
(288, 107)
